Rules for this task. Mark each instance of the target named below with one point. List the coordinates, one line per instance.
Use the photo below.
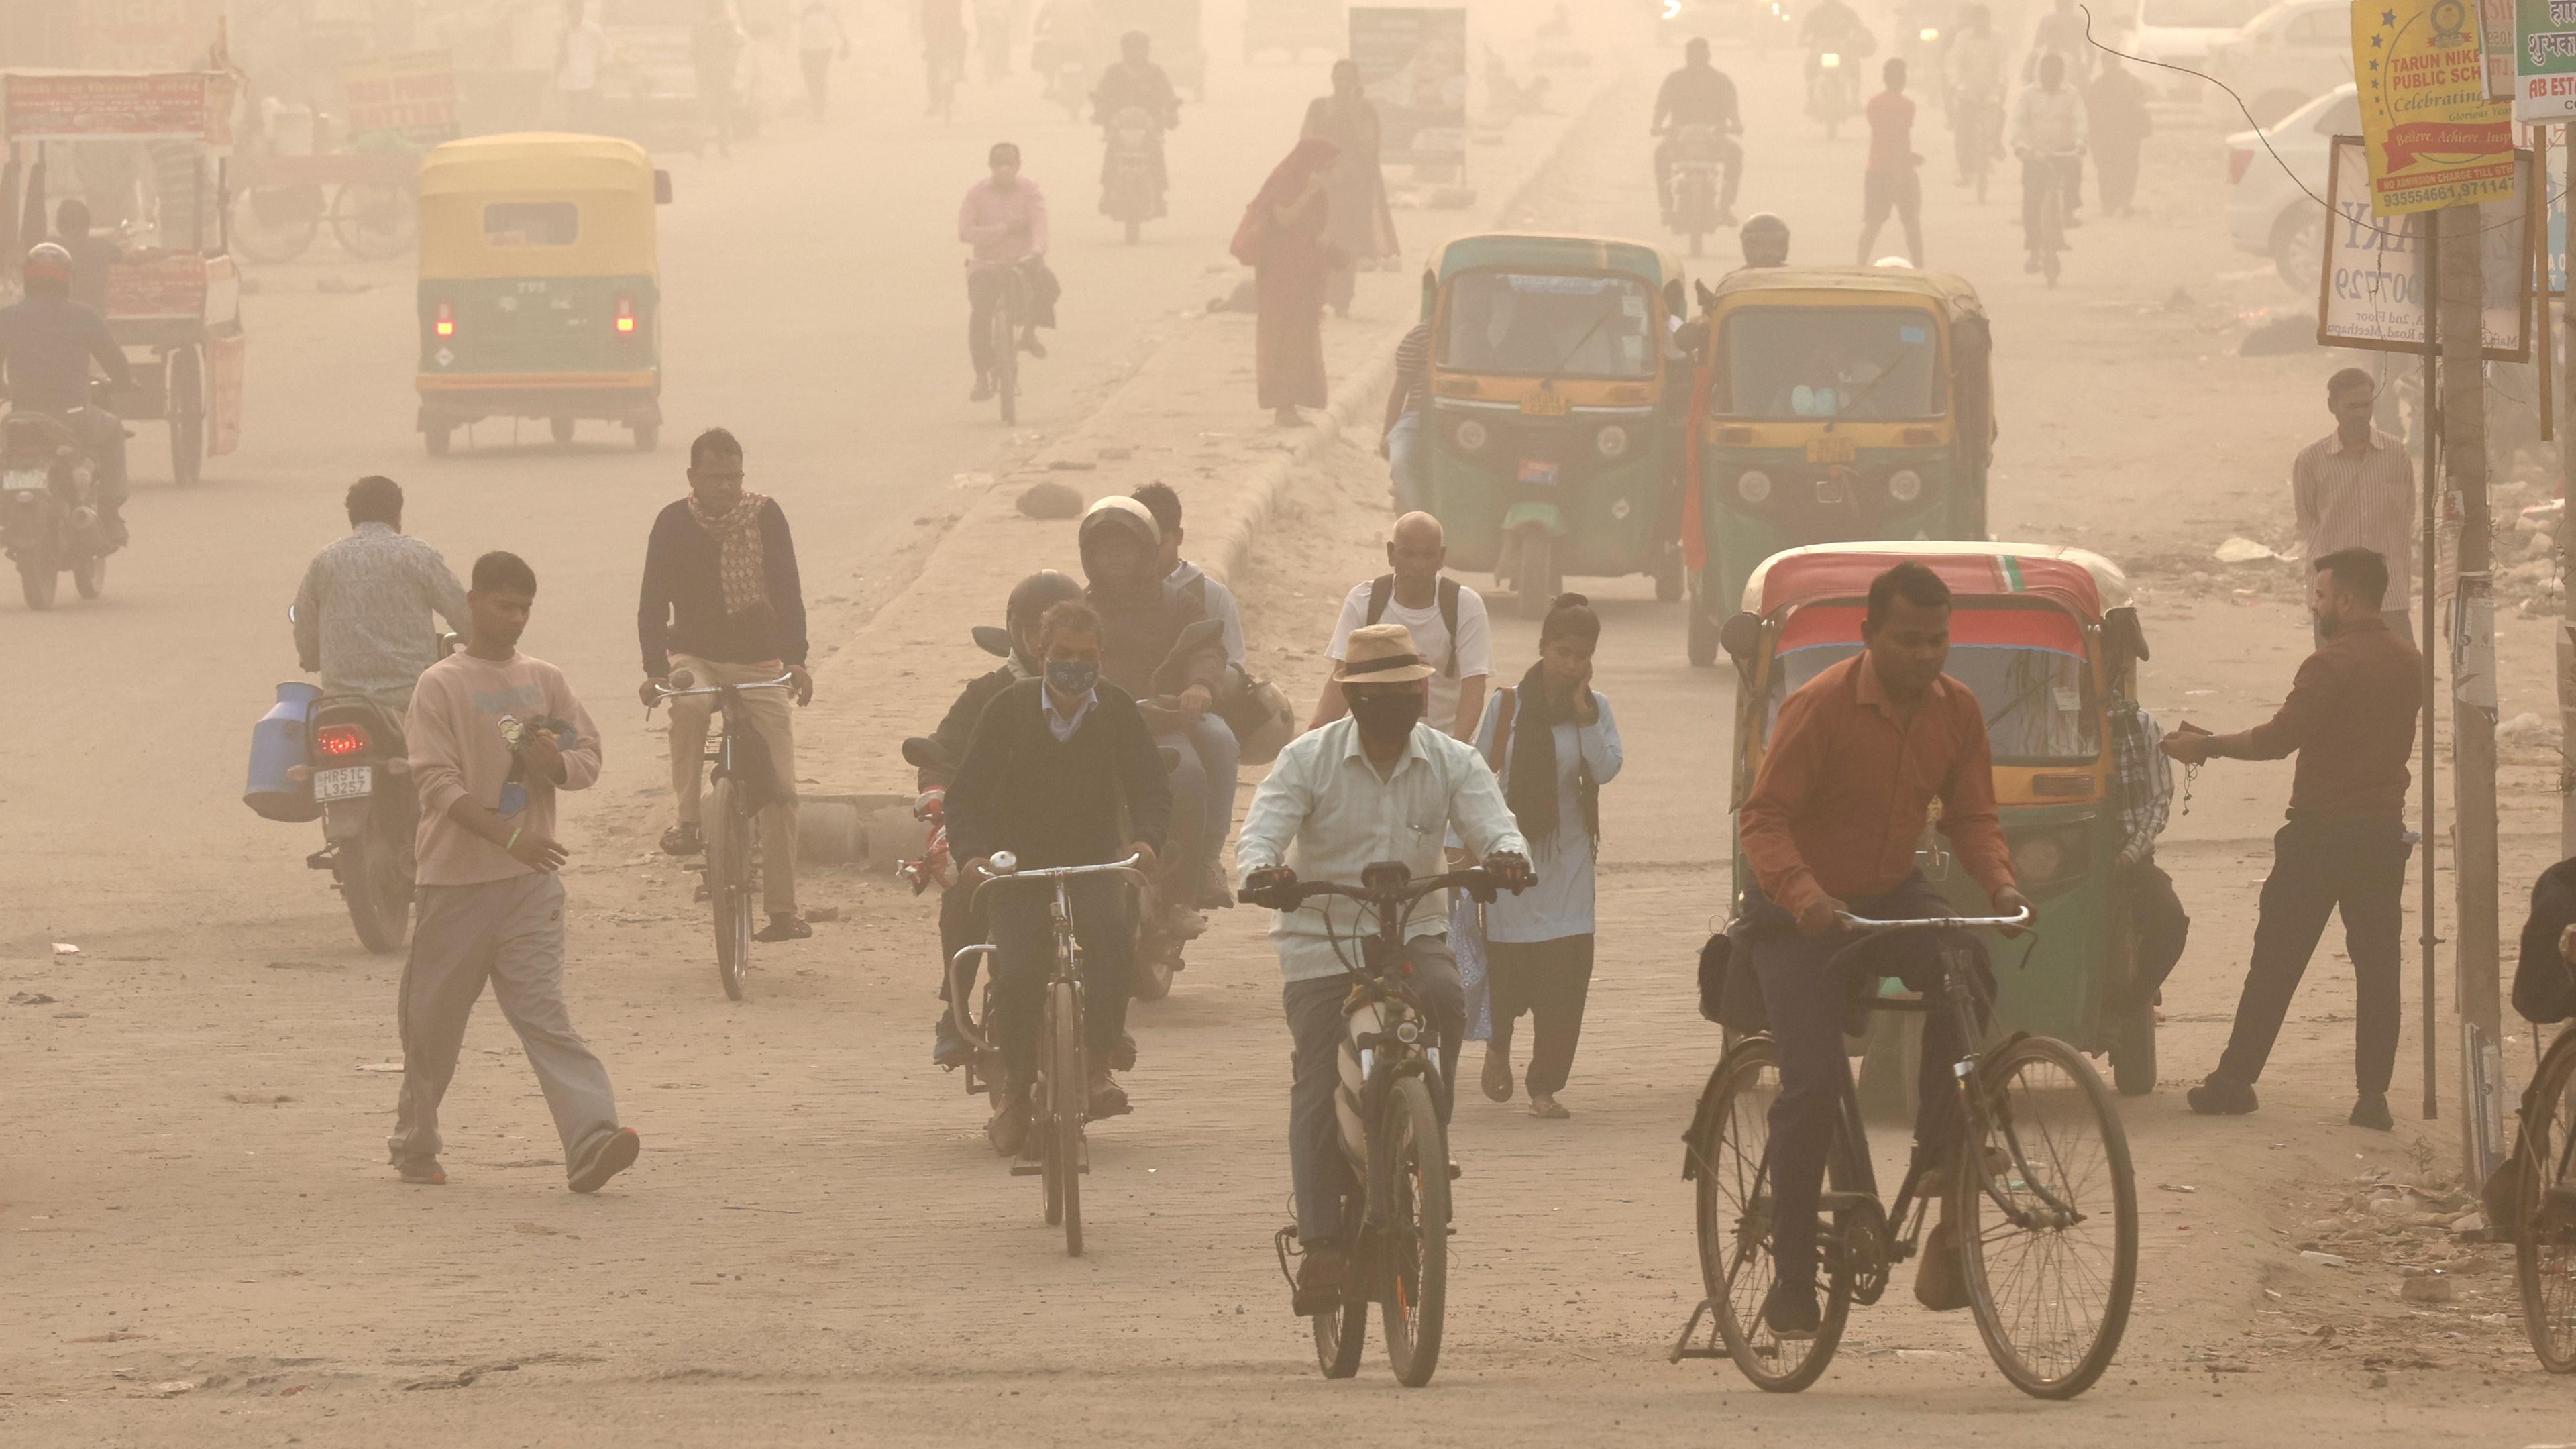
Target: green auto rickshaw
(540, 289)
(1833, 404)
(1557, 402)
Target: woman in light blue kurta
(1553, 742)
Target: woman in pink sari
(1282, 239)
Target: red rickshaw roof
(2077, 579)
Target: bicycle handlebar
(2013, 922)
(1473, 878)
(667, 692)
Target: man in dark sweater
(1050, 765)
(722, 601)
(2350, 718)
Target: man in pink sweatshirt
(1004, 218)
(494, 734)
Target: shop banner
(2434, 139)
(2544, 61)
(1413, 64)
(2373, 290)
(192, 104)
(406, 99)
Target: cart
(174, 305)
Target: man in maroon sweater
(2350, 719)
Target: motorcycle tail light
(625, 314)
(341, 740)
(445, 326)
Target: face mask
(1387, 717)
(1072, 678)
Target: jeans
(1033, 306)
(1806, 1004)
(1550, 980)
(2319, 867)
(1024, 930)
(1316, 1164)
(769, 712)
(1405, 463)
(1220, 758)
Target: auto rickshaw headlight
(1612, 441)
(1471, 436)
(1753, 486)
(1905, 485)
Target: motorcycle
(1133, 193)
(1833, 90)
(1698, 156)
(357, 768)
(50, 521)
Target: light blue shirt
(1560, 905)
(1328, 804)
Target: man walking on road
(2116, 112)
(1892, 181)
(493, 735)
(2350, 718)
(362, 616)
(723, 602)
(2355, 488)
(1446, 618)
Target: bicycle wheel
(2545, 1253)
(1341, 1336)
(375, 223)
(1730, 1151)
(1068, 1086)
(1006, 356)
(1409, 1157)
(2048, 1239)
(729, 886)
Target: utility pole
(2477, 954)
(2566, 647)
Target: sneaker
(947, 1048)
(2219, 1097)
(1108, 1099)
(1791, 1311)
(607, 1160)
(1496, 1079)
(1319, 1281)
(683, 840)
(2371, 1111)
(1008, 1130)
(784, 927)
(425, 1172)
(983, 390)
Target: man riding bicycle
(1856, 759)
(1045, 776)
(1378, 785)
(1004, 218)
(1974, 72)
(2048, 136)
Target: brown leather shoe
(1319, 1281)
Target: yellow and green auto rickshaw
(2047, 639)
(540, 295)
(1557, 404)
(1833, 404)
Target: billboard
(2374, 286)
(1413, 65)
(409, 99)
(2434, 139)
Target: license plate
(353, 783)
(26, 480)
(1832, 449)
(1545, 403)
(1538, 474)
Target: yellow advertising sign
(2433, 138)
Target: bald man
(1446, 617)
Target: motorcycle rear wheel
(376, 891)
(89, 575)
(37, 581)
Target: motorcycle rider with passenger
(47, 343)
(1135, 81)
(1698, 94)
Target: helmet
(1766, 241)
(48, 262)
(1030, 599)
(1117, 514)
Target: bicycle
(1002, 339)
(1397, 1191)
(1060, 1096)
(1976, 124)
(2021, 1185)
(2544, 1219)
(732, 833)
(2048, 238)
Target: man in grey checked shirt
(2355, 488)
(362, 615)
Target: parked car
(2284, 58)
(2182, 33)
(2267, 213)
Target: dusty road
(816, 1244)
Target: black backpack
(1382, 591)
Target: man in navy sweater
(1049, 767)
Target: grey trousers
(1315, 1022)
(510, 933)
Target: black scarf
(1531, 788)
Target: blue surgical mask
(1072, 677)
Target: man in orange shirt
(1847, 781)
(1891, 184)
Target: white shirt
(583, 46)
(2047, 122)
(1061, 726)
(1560, 905)
(1431, 639)
(1326, 801)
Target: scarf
(742, 558)
(1530, 788)
(1287, 182)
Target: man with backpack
(1446, 618)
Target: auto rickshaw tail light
(625, 316)
(445, 326)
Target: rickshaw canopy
(537, 205)
(1941, 291)
(64, 105)
(1539, 252)
(2079, 580)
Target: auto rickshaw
(1552, 442)
(2047, 639)
(539, 292)
(1832, 404)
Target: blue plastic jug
(276, 748)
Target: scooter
(49, 521)
(1134, 195)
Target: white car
(2182, 33)
(2267, 213)
(2284, 58)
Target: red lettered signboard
(194, 105)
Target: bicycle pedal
(1022, 1167)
